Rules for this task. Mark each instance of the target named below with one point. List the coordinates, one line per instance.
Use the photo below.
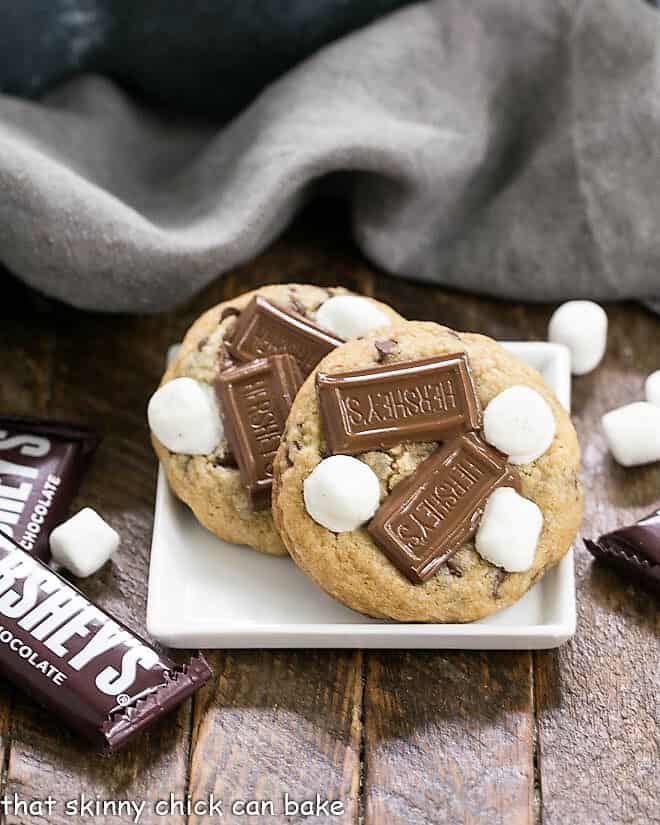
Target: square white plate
(204, 592)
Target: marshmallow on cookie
(183, 415)
(350, 315)
(509, 530)
(341, 493)
(519, 423)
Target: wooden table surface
(566, 737)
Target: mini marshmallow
(84, 543)
(341, 493)
(183, 415)
(520, 423)
(509, 530)
(350, 315)
(582, 327)
(652, 388)
(633, 433)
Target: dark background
(206, 57)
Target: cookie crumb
(297, 305)
(292, 450)
(454, 569)
(384, 348)
(224, 358)
(498, 580)
(225, 459)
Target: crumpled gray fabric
(505, 147)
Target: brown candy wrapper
(77, 661)
(41, 466)
(633, 551)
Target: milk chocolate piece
(264, 329)
(370, 409)
(255, 399)
(79, 662)
(430, 514)
(41, 466)
(634, 551)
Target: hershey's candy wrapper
(41, 466)
(634, 551)
(77, 661)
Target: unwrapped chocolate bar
(430, 514)
(634, 551)
(432, 399)
(255, 400)
(79, 662)
(42, 463)
(265, 329)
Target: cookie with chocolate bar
(219, 414)
(405, 495)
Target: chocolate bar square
(265, 329)
(433, 399)
(429, 515)
(255, 399)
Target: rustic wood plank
(276, 723)
(448, 739)
(598, 696)
(104, 370)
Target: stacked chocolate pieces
(276, 349)
(429, 515)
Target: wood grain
(448, 738)
(560, 737)
(598, 696)
(280, 723)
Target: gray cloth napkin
(504, 147)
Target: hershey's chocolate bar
(73, 658)
(633, 550)
(432, 399)
(41, 466)
(255, 400)
(430, 514)
(265, 329)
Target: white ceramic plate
(206, 593)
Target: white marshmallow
(520, 423)
(582, 327)
(509, 530)
(350, 315)
(341, 493)
(633, 433)
(183, 415)
(652, 388)
(84, 543)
